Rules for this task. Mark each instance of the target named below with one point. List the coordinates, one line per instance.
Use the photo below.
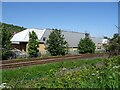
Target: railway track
(7, 64)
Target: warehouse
(20, 40)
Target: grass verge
(91, 75)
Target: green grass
(29, 73)
(48, 75)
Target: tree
(56, 43)
(86, 45)
(11, 28)
(114, 45)
(6, 44)
(33, 44)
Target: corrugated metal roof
(97, 40)
(71, 37)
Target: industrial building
(20, 40)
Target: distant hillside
(12, 28)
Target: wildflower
(4, 85)
(63, 69)
(97, 71)
(93, 74)
(98, 77)
(116, 66)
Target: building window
(44, 38)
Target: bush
(96, 73)
(114, 45)
(33, 44)
(90, 76)
(6, 43)
(86, 45)
(6, 54)
(56, 43)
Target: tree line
(57, 45)
(11, 28)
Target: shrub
(6, 44)
(56, 43)
(87, 77)
(86, 45)
(33, 44)
(114, 45)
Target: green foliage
(31, 76)
(6, 44)
(56, 43)
(6, 33)
(86, 45)
(33, 44)
(77, 74)
(87, 77)
(114, 45)
(12, 28)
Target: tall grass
(97, 73)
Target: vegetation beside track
(20, 63)
(53, 57)
(96, 73)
